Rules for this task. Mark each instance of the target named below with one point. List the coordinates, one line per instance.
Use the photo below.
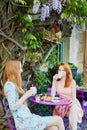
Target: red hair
(68, 71)
(12, 73)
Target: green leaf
(27, 18)
(63, 15)
(24, 30)
(73, 19)
(30, 36)
(24, 42)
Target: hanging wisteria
(44, 12)
(47, 11)
(55, 5)
(59, 7)
(50, 5)
(36, 7)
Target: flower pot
(74, 71)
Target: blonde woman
(16, 97)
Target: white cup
(60, 75)
(34, 90)
(37, 97)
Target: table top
(60, 101)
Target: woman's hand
(33, 90)
(72, 103)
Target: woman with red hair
(65, 86)
(16, 97)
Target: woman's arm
(73, 91)
(53, 90)
(24, 97)
(10, 93)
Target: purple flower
(36, 7)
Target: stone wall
(73, 49)
(76, 55)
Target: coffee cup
(34, 90)
(37, 97)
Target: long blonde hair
(13, 74)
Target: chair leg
(66, 123)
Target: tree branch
(6, 49)
(12, 40)
(48, 53)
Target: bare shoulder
(73, 83)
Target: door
(85, 57)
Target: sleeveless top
(66, 93)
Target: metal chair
(8, 117)
(81, 97)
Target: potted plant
(42, 81)
(79, 79)
(74, 69)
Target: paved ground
(82, 126)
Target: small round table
(61, 101)
(51, 104)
